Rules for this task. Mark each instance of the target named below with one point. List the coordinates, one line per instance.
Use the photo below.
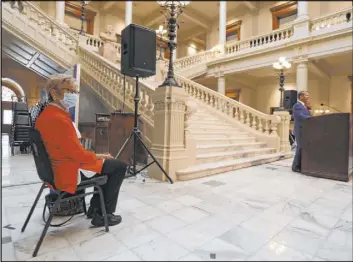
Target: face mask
(70, 100)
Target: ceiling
(198, 16)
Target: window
(283, 14)
(233, 31)
(7, 117)
(8, 94)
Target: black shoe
(98, 220)
(297, 170)
(91, 211)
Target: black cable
(52, 225)
(122, 108)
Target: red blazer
(65, 151)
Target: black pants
(297, 161)
(115, 170)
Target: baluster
(242, 118)
(254, 123)
(142, 104)
(149, 107)
(248, 118)
(260, 127)
(274, 129)
(236, 115)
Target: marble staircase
(228, 135)
(222, 147)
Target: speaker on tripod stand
(138, 59)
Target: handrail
(339, 17)
(263, 123)
(64, 29)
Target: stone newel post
(283, 130)
(172, 145)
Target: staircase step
(211, 148)
(213, 127)
(208, 169)
(224, 140)
(231, 155)
(218, 134)
(209, 123)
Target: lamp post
(172, 10)
(160, 32)
(84, 3)
(281, 65)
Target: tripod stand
(135, 134)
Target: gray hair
(301, 93)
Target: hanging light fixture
(281, 65)
(83, 4)
(172, 10)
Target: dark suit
(300, 112)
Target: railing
(42, 21)
(108, 75)
(199, 58)
(340, 17)
(260, 122)
(275, 36)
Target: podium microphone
(322, 104)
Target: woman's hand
(104, 156)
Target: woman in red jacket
(71, 163)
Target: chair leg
(84, 205)
(33, 207)
(104, 211)
(44, 232)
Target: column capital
(300, 60)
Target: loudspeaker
(290, 98)
(138, 51)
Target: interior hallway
(259, 213)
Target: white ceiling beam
(197, 18)
(251, 5)
(152, 19)
(318, 70)
(108, 5)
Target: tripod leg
(123, 147)
(154, 159)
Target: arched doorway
(11, 92)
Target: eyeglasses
(69, 90)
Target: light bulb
(282, 59)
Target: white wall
(335, 92)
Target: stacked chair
(20, 127)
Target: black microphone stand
(322, 104)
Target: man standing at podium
(300, 113)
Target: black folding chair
(45, 173)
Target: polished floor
(259, 213)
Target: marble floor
(259, 213)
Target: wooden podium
(121, 125)
(326, 146)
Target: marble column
(128, 12)
(222, 22)
(302, 10)
(60, 11)
(302, 76)
(221, 88)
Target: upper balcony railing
(196, 59)
(275, 36)
(340, 17)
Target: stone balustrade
(199, 58)
(109, 85)
(275, 36)
(340, 17)
(262, 124)
(40, 20)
